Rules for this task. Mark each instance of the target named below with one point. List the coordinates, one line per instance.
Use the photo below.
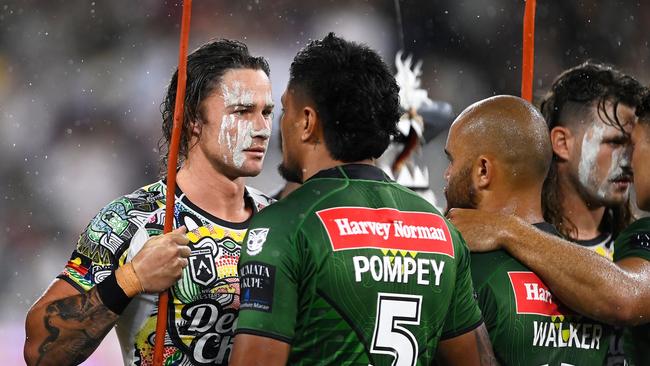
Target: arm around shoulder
(611, 292)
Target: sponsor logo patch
(257, 282)
(532, 296)
(256, 239)
(386, 228)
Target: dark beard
(290, 174)
(459, 191)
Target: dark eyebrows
(242, 105)
(620, 138)
(448, 154)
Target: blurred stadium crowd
(81, 84)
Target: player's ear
(310, 128)
(195, 126)
(562, 141)
(483, 172)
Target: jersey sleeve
(95, 256)
(464, 314)
(269, 269)
(483, 289)
(634, 241)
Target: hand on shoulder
(483, 231)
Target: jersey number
(390, 337)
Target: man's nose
(262, 122)
(626, 159)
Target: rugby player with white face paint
(590, 111)
(121, 262)
(236, 125)
(603, 158)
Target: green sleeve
(464, 314)
(269, 273)
(634, 241)
(485, 294)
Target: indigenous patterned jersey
(634, 241)
(353, 269)
(527, 325)
(603, 244)
(203, 304)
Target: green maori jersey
(353, 269)
(203, 304)
(634, 241)
(526, 323)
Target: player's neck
(526, 205)
(214, 192)
(310, 171)
(318, 159)
(585, 217)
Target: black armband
(112, 294)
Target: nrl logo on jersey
(202, 260)
(256, 239)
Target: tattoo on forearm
(75, 326)
(485, 347)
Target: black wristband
(112, 294)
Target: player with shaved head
(499, 154)
(590, 112)
(496, 128)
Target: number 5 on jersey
(390, 337)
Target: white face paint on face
(269, 98)
(620, 161)
(237, 122)
(239, 139)
(604, 166)
(589, 153)
(228, 122)
(236, 94)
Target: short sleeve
(487, 302)
(99, 246)
(464, 314)
(269, 273)
(634, 241)
(483, 268)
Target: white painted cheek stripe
(589, 152)
(244, 141)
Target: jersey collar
(353, 171)
(547, 228)
(249, 202)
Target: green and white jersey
(634, 241)
(354, 269)
(203, 304)
(526, 323)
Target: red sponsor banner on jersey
(532, 296)
(386, 228)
